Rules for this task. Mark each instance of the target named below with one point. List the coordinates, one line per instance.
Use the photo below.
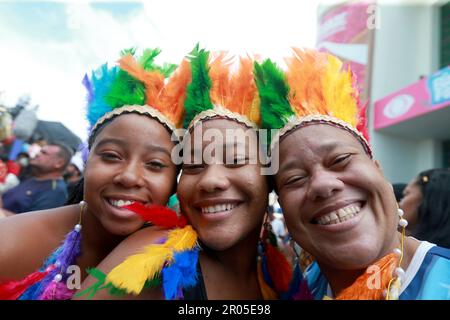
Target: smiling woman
(133, 112)
(223, 195)
(337, 204)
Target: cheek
(161, 186)
(185, 187)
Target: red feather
(158, 215)
(279, 268)
(12, 290)
(362, 121)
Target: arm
(27, 239)
(130, 246)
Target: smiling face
(129, 161)
(336, 202)
(225, 202)
(48, 160)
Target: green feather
(125, 90)
(125, 52)
(197, 96)
(147, 61)
(98, 285)
(273, 93)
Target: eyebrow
(123, 144)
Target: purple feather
(69, 251)
(57, 291)
(161, 240)
(84, 148)
(88, 85)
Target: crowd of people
(334, 222)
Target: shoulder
(29, 238)
(430, 273)
(131, 245)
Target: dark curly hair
(434, 212)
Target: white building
(411, 40)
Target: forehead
(320, 138)
(223, 131)
(134, 128)
(50, 149)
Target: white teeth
(218, 208)
(340, 215)
(120, 203)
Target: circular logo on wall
(398, 106)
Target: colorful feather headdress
(314, 89)
(137, 86)
(217, 91)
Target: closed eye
(295, 180)
(156, 164)
(192, 168)
(237, 162)
(109, 156)
(341, 160)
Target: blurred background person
(47, 188)
(74, 172)
(426, 203)
(398, 190)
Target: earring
(393, 290)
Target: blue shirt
(426, 278)
(34, 194)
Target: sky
(47, 47)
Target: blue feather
(101, 82)
(181, 274)
(294, 287)
(265, 271)
(33, 292)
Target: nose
(214, 179)
(130, 175)
(324, 184)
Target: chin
(352, 258)
(122, 229)
(213, 243)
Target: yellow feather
(136, 269)
(318, 85)
(182, 239)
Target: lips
(338, 214)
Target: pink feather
(57, 291)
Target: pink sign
(426, 95)
(343, 32)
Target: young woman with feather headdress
(132, 111)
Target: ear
(59, 163)
(378, 165)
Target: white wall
(405, 48)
